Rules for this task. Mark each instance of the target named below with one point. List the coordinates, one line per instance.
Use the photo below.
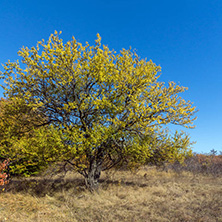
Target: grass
(147, 195)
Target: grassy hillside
(147, 195)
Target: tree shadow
(40, 186)
(106, 182)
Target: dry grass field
(147, 195)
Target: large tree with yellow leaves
(102, 108)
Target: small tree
(103, 108)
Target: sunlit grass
(147, 195)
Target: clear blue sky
(183, 36)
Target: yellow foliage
(106, 105)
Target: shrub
(208, 164)
(3, 175)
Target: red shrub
(3, 175)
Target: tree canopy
(100, 108)
(19, 123)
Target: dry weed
(147, 195)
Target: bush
(3, 175)
(208, 164)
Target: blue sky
(183, 37)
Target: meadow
(148, 194)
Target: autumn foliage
(98, 108)
(3, 175)
(207, 164)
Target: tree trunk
(92, 178)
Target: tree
(104, 108)
(19, 123)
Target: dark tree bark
(93, 175)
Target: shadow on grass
(41, 186)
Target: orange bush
(209, 159)
(209, 164)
